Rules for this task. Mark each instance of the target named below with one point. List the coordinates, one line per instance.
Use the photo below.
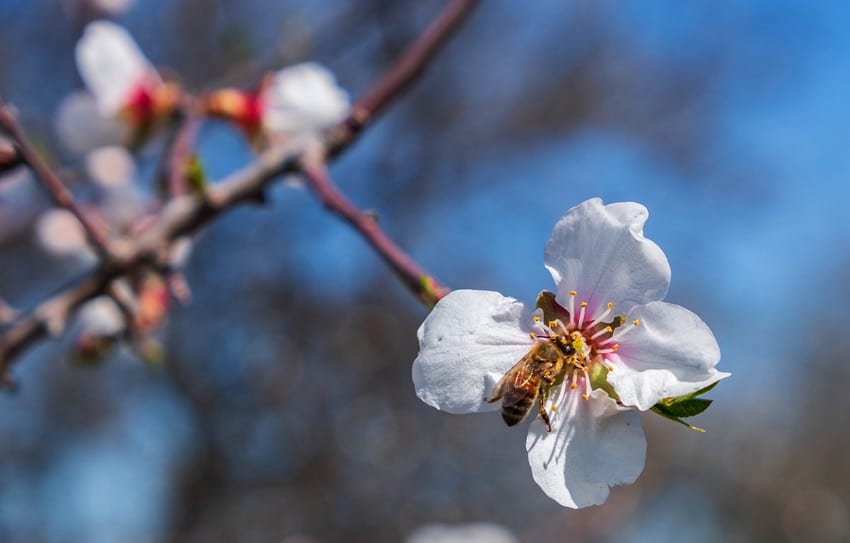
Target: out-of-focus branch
(59, 193)
(428, 289)
(183, 215)
(411, 64)
(9, 156)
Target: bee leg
(542, 410)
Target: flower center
(588, 340)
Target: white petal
(671, 353)
(303, 99)
(600, 252)
(467, 343)
(111, 64)
(594, 444)
(61, 235)
(82, 126)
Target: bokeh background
(285, 410)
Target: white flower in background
(83, 8)
(477, 532)
(606, 345)
(111, 166)
(303, 99)
(81, 126)
(120, 77)
(121, 201)
(61, 235)
(101, 316)
(299, 101)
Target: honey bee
(529, 380)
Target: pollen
(572, 293)
(636, 322)
(532, 335)
(585, 397)
(536, 318)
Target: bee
(529, 380)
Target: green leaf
(661, 409)
(195, 176)
(687, 408)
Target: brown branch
(9, 155)
(411, 64)
(57, 190)
(184, 215)
(419, 281)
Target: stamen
(621, 332)
(581, 315)
(574, 381)
(610, 349)
(604, 314)
(606, 330)
(561, 326)
(572, 307)
(532, 335)
(586, 394)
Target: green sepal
(552, 310)
(661, 409)
(195, 176)
(688, 405)
(599, 379)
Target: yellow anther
(536, 318)
(585, 396)
(583, 304)
(573, 385)
(636, 322)
(553, 324)
(532, 335)
(610, 368)
(554, 409)
(609, 329)
(572, 293)
(615, 346)
(610, 305)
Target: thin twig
(184, 215)
(409, 66)
(428, 289)
(57, 190)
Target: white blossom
(301, 101)
(623, 350)
(61, 235)
(112, 66)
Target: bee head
(564, 343)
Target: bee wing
(517, 376)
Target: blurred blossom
(113, 6)
(82, 126)
(587, 366)
(122, 201)
(299, 101)
(120, 77)
(97, 7)
(61, 235)
(97, 327)
(111, 166)
(482, 532)
(101, 316)
(18, 196)
(303, 100)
